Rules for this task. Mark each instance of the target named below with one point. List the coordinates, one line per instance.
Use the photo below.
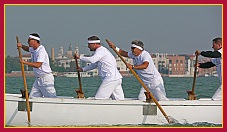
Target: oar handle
(141, 82)
(17, 38)
(195, 70)
(25, 84)
(78, 72)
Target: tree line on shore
(13, 64)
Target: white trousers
(43, 87)
(156, 88)
(218, 94)
(110, 89)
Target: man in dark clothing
(216, 60)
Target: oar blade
(172, 120)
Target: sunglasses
(133, 48)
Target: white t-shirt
(218, 63)
(150, 73)
(40, 55)
(105, 62)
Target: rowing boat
(70, 111)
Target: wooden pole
(191, 93)
(142, 83)
(25, 84)
(79, 91)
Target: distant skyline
(172, 29)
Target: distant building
(69, 52)
(65, 60)
(122, 67)
(189, 65)
(161, 62)
(176, 65)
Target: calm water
(175, 88)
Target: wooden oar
(79, 91)
(191, 93)
(25, 84)
(142, 83)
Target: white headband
(93, 41)
(136, 46)
(34, 37)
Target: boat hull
(69, 111)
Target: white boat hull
(66, 111)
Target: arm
(90, 67)
(92, 59)
(41, 55)
(142, 66)
(25, 48)
(206, 65)
(211, 54)
(32, 64)
(87, 68)
(121, 52)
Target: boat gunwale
(62, 100)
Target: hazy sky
(164, 29)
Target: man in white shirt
(146, 70)
(216, 60)
(44, 83)
(107, 70)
